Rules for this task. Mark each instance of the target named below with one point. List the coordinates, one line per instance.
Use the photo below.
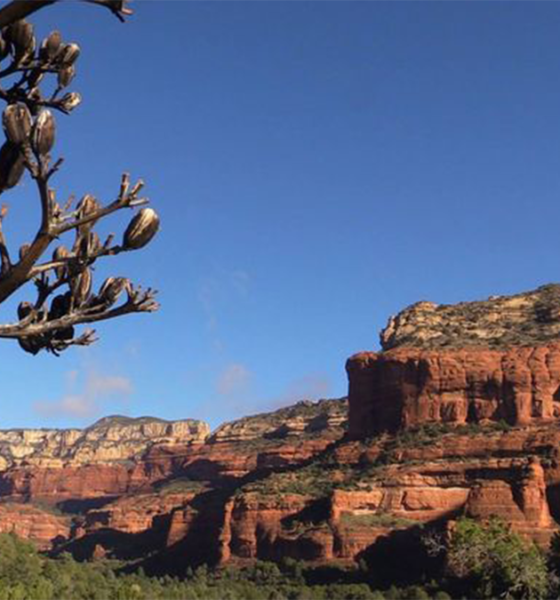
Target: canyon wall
(457, 415)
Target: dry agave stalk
(64, 295)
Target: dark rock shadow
(117, 544)
(402, 557)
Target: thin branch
(88, 260)
(23, 271)
(86, 339)
(98, 214)
(19, 9)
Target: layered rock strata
(473, 362)
(408, 387)
(110, 440)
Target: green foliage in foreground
(481, 561)
(27, 575)
(494, 562)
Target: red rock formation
(135, 513)
(257, 528)
(88, 481)
(408, 387)
(54, 485)
(481, 475)
(271, 498)
(30, 522)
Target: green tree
(494, 562)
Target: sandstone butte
(457, 414)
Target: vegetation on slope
(475, 561)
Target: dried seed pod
(94, 243)
(32, 344)
(24, 250)
(60, 306)
(87, 206)
(111, 289)
(50, 46)
(65, 333)
(60, 254)
(22, 38)
(17, 123)
(141, 229)
(24, 309)
(87, 244)
(42, 136)
(12, 166)
(65, 76)
(69, 101)
(68, 54)
(34, 95)
(81, 287)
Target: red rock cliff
(407, 387)
(476, 362)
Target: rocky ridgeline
(526, 319)
(110, 439)
(304, 417)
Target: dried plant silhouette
(63, 296)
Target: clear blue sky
(317, 167)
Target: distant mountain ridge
(114, 438)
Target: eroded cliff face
(408, 387)
(473, 362)
(358, 495)
(315, 496)
(437, 429)
(143, 479)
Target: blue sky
(317, 167)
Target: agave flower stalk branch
(21, 272)
(138, 301)
(54, 264)
(86, 339)
(127, 201)
(17, 275)
(30, 130)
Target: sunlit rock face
(473, 362)
(301, 418)
(109, 440)
(526, 319)
(456, 416)
(315, 496)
